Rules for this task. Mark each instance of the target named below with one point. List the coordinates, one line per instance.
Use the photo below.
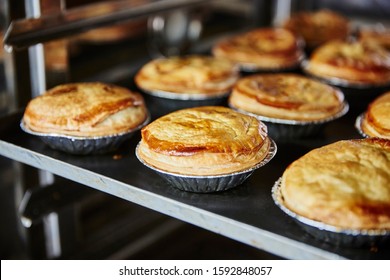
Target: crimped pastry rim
(270, 154)
(342, 112)
(278, 200)
(59, 135)
(339, 81)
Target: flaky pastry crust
(263, 48)
(286, 96)
(345, 184)
(209, 140)
(192, 74)
(85, 109)
(356, 63)
(318, 27)
(376, 120)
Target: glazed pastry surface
(85, 109)
(193, 74)
(209, 140)
(267, 48)
(286, 96)
(344, 184)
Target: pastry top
(209, 140)
(85, 109)
(376, 121)
(318, 27)
(262, 48)
(286, 96)
(379, 36)
(194, 74)
(361, 63)
(344, 184)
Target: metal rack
(246, 213)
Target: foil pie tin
(332, 234)
(84, 145)
(283, 129)
(211, 183)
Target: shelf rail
(30, 31)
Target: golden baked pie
(318, 27)
(345, 184)
(376, 120)
(361, 63)
(85, 109)
(379, 36)
(286, 96)
(262, 48)
(210, 140)
(194, 74)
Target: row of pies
(359, 63)
(344, 185)
(98, 110)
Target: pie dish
(358, 64)
(203, 148)
(193, 77)
(290, 104)
(375, 121)
(343, 187)
(85, 112)
(318, 27)
(267, 49)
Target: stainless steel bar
(30, 31)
